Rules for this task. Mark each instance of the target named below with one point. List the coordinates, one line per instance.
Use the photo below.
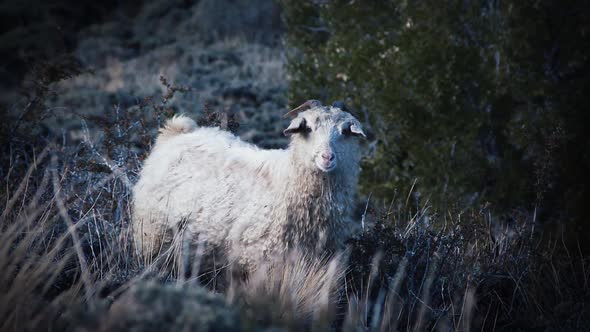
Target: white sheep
(248, 202)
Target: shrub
(479, 102)
(151, 306)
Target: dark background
(467, 105)
(475, 171)
(481, 103)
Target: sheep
(250, 203)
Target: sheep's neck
(317, 205)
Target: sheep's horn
(340, 104)
(303, 107)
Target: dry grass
(60, 264)
(65, 264)
(301, 290)
(67, 261)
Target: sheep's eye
(304, 128)
(346, 131)
(297, 126)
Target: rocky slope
(228, 53)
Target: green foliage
(470, 98)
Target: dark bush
(480, 102)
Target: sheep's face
(325, 137)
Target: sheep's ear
(356, 130)
(297, 125)
(353, 129)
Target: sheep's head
(324, 137)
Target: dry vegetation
(72, 147)
(68, 264)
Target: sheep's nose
(328, 156)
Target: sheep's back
(210, 179)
